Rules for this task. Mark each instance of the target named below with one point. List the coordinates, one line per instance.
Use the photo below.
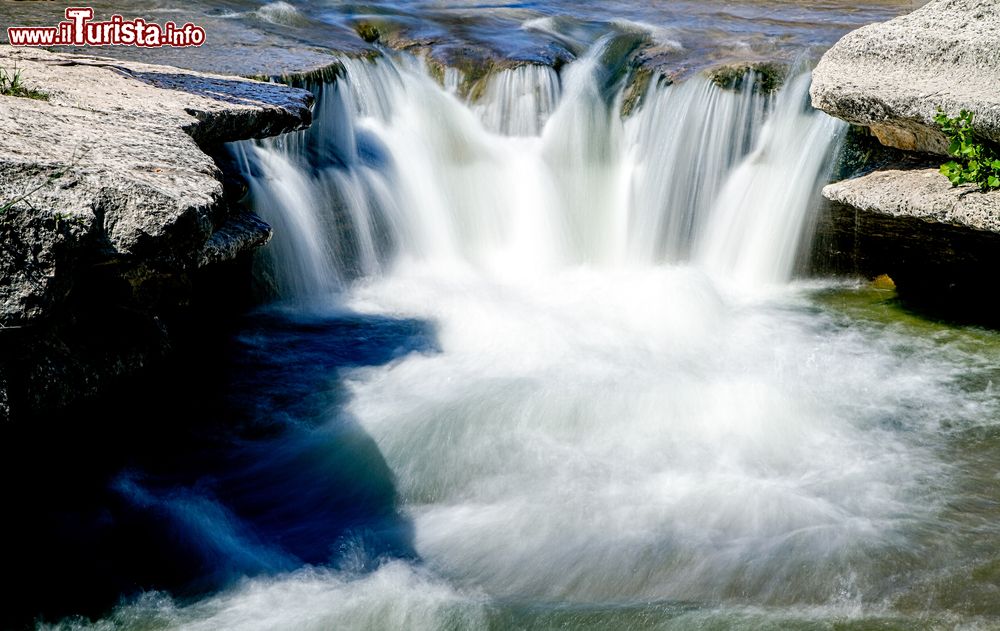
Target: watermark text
(80, 29)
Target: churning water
(621, 414)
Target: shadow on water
(231, 462)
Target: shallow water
(256, 37)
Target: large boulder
(113, 160)
(110, 205)
(938, 242)
(894, 76)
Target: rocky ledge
(635, 55)
(894, 76)
(940, 245)
(922, 194)
(938, 242)
(111, 205)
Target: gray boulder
(941, 245)
(922, 194)
(113, 166)
(894, 76)
(111, 208)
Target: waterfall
(540, 173)
(683, 144)
(560, 384)
(755, 225)
(518, 101)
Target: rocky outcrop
(894, 76)
(936, 241)
(939, 243)
(946, 268)
(921, 194)
(110, 204)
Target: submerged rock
(894, 76)
(110, 203)
(764, 76)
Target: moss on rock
(368, 31)
(767, 76)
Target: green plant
(12, 85)
(978, 161)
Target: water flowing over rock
(106, 189)
(894, 76)
(619, 409)
(541, 173)
(531, 362)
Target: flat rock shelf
(108, 174)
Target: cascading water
(626, 419)
(519, 101)
(755, 226)
(682, 146)
(529, 179)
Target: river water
(529, 364)
(256, 37)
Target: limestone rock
(111, 166)
(941, 245)
(920, 194)
(894, 76)
(241, 233)
(112, 212)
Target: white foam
(396, 596)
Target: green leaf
(977, 162)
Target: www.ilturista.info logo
(80, 30)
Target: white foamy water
(599, 436)
(629, 407)
(397, 596)
(541, 174)
(518, 102)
